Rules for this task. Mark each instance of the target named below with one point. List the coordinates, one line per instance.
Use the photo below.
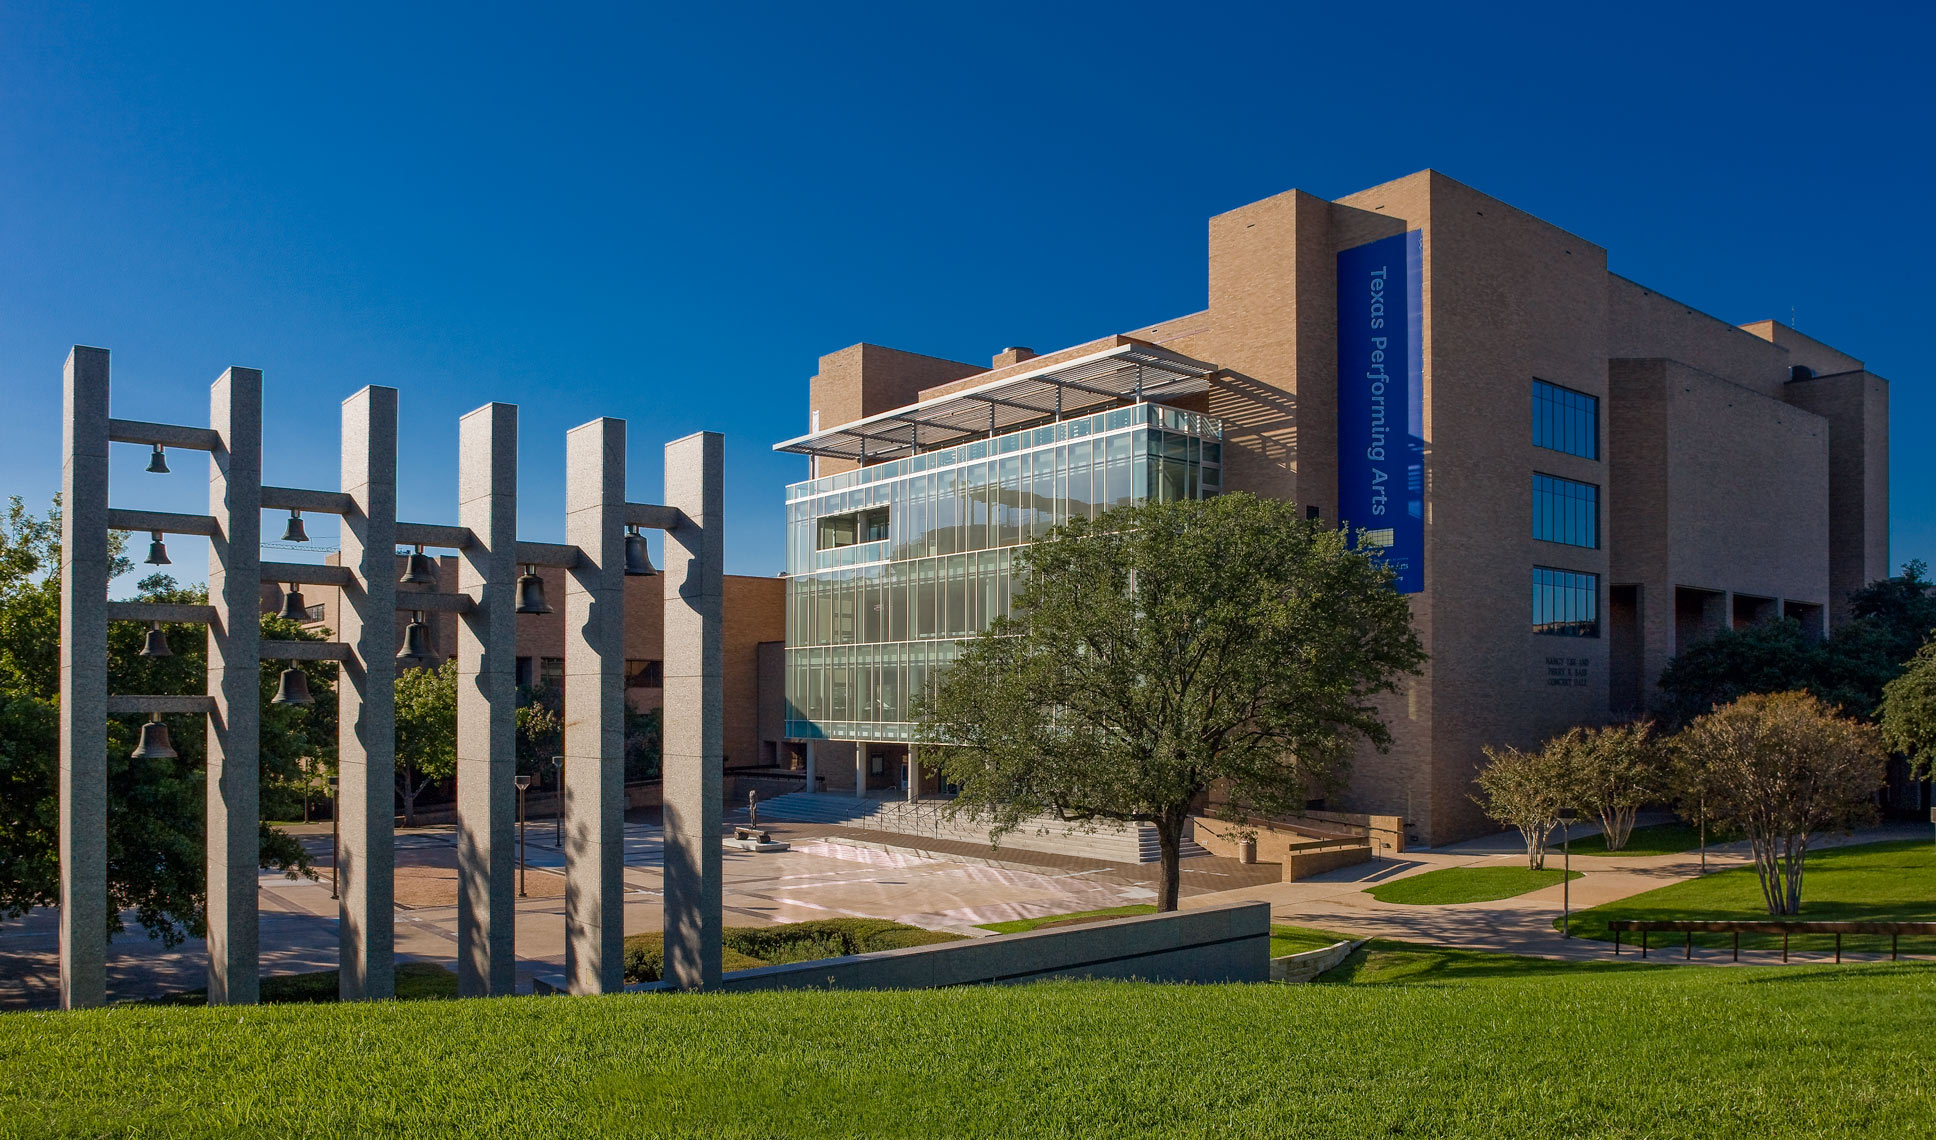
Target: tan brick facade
(755, 615)
(1733, 486)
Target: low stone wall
(1216, 944)
(1308, 965)
(1299, 855)
(1304, 864)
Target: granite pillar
(594, 708)
(694, 711)
(84, 680)
(366, 700)
(487, 570)
(233, 785)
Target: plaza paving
(834, 872)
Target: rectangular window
(551, 673)
(1566, 603)
(846, 530)
(644, 674)
(1565, 420)
(1566, 511)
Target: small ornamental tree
(426, 731)
(1778, 768)
(1164, 647)
(1615, 771)
(1526, 790)
(1908, 715)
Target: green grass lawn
(1444, 1044)
(1660, 839)
(1869, 882)
(750, 947)
(1018, 925)
(1466, 885)
(1381, 961)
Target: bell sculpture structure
(497, 579)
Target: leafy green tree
(426, 731)
(1163, 648)
(1908, 720)
(155, 821)
(1614, 771)
(1779, 768)
(1525, 790)
(1890, 618)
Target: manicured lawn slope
(1817, 1051)
(1869, 882)
(1466, 885)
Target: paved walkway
(830, 872)
(1520, 925)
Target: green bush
(749, 947)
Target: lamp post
(523, 783)
(558, 833)
(1567, 816)
(335, 834)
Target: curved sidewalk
(1523, 924)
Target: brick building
(1577, 476)
(752, 652)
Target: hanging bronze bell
(418, 570)
(157, 643)
(292, 605)
(157, 549)
(154, 741)
(416, 639)
(158, 462)
(531, 599)
(638, 562)
(294, 532)
(292, 688)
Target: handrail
(1783, 927)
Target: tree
(1779, 767)
(1615, 771)
(1890, 618)
(1908, 719)
(1526, 790)
(426, 731)
(1162, 648)
(156, 807)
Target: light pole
(558, 833)
(523, 783)
(1567, 816)
(335, 833)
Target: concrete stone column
(860, 770)
(913, 774)
(812, 770)
(84, 680)
(594, 708)
(367, 700)
(487, 503)
(234, 681)
(694, 713)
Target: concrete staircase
(923, 819)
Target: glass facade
(1565, 420)
(1565, 510)
(1566, 603)
(890, 565)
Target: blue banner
(1381, 382)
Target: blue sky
(667, 216)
